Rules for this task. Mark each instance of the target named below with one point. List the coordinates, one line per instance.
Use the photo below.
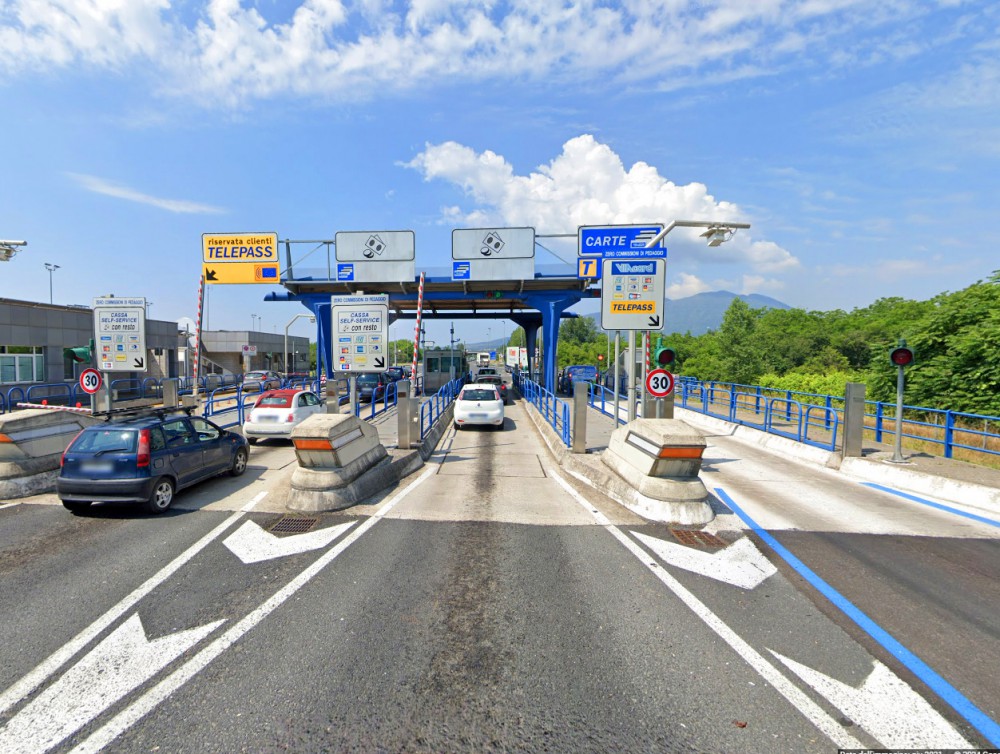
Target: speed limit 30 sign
(659, 383)
(91, 381)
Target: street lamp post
(285, 352)
(716, 234)
(51, 268)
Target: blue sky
(860, 138)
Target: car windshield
(256, 375)
(478, 394)
(489, 380)
(583, 372)
(367, 379)
(106, 441)
(275, 401)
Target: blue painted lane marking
(922, 501)
(958, 702)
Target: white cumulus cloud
(588, 184)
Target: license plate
(477, 416)
(268, 419)
(97, 466)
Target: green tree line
(955, 338)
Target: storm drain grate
(293, 525)
(703, 538)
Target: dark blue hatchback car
(146, 459)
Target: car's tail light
(62, 458)
(291, 417)
(142, 456)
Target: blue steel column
(551, 314)
(530, 339)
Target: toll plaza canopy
(534, 303)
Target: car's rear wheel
(76, 506)
(161, 497)
(239, 462)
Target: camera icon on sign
(492, 244)
(373, 246)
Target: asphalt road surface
(491, 603)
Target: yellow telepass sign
(227, 248)
(240, 258)
(241, 273)
(632, 307)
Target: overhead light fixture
(7, 249)
(718, 234)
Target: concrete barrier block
(661, 459)
(31, 443)
(341, 462)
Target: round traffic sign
(659, 383)
(90, 381)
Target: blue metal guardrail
(554, 410)
(432, 408)
(805, 416)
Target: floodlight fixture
(7, 249)
(718, 235)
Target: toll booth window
(433, 364)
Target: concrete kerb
(591, 469)
(865, 469)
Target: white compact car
(479, 404)
(277, 412)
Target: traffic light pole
(618, 383)
(897, 453)
(631, 395)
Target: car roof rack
(140, 411)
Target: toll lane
(488, 602)
(926, 576)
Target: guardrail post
(854, 419)
(581, 392)
(170, 393)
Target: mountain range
(695, 314)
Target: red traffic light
(664, 357)
(901, 356)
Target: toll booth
(441, 365)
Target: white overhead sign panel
(359, 332)
(632, 294)
(120, 334)
(493, 254)
(378, 256)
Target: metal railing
(554, 410)
(432, 408)
(816, 419)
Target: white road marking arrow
(121, 663)
(251, 544)
(886, 707)
(740, 564)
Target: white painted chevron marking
(251, 544)
(885, 706)
(121, 663)
(740, 564)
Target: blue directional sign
(345, 272)
(620, 242)
(461, 271)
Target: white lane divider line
(61, 656)
(797, 698)
(161, 691)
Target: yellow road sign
(632, 307)
(242, 273)
(588, 267)
(243, 248)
